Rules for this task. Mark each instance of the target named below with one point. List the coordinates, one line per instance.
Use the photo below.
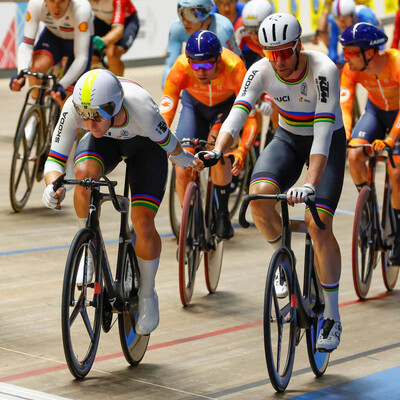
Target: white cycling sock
(331, 297)
(81, 222)
(148, 270)
(276, 243)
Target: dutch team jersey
(308, 105)
(142, 118)
(112, 12)
(383, 89)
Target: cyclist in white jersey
(122, 120)
(68, 33)
(305, 88)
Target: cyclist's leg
(326, 249)
(147, 191)
(277, 169)
(191, 125)
(115, 51)
(366, 130)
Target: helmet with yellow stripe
(98, 95)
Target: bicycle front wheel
(25, 159)
(81, 307)
(189, 243)
(133, 345)
(279, 323)
(364, 254)
(212, 257)
(318, 360)
(389, 273)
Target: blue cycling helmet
(195, 11)
(363, 35)
(202, 46)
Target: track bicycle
(238, 188)
(285, 318)
(197, 234)
(32, 139)
(90, 306)
(373, 233)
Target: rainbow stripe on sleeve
(90, 155)
(58, 158)
(243, 105)
(324, 117)
(28, 40)
(166, 140)
(145, 200)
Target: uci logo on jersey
(323, 86)
(249, 79)
(282, 98)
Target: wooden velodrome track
(212, 349)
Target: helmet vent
(274, 32)
(284, 31)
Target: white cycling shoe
(148, 318)
(329, 336)
(280, 283)
(89, 270)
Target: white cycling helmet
(255, 11)
(98, 95)
(278, 29)
(343, 7)
(195, 11)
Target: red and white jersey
(112, 12)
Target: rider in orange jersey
(209, 78)
(379, 73)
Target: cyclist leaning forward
(122, 120)
(67, 33)
(305, 88)
(379, 73)
(209, 78)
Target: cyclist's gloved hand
(265, 105)
(213, 157)
(301, 193)
(49, 199)
(380, 145)
(239, 154)
(17, 77)
(98, 42)
(61, 90)
(184, 159)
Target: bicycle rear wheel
(133, 345)
(81, 307)
(189, 243)
(389, 273)
(318, 360)
(25, 159)
(212, 257)
(279, 323)
(364, 254)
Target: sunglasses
(350, 54)
(93, 114)
(285, 53)
(252, 30)
(207, 66)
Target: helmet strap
(297, 60)
(366, 62)
(112, 121)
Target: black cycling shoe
(224, 228)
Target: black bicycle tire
(363, 270)
(189, 244)
(212, 258)
(80, 368)
(173, 217)
(318, 360)
(15, 173)
(390, 274)
(133, 345)
(279, 378)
